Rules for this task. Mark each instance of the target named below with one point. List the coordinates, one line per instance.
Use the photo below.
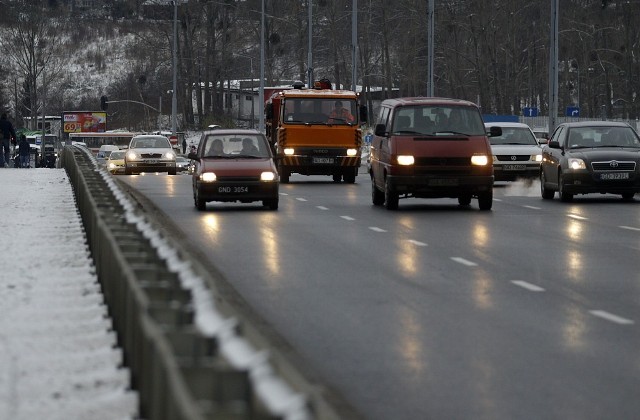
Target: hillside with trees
(493, 52)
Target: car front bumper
(513, 171)
(245, 192)
(433, 186)
(587, 182)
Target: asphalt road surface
(437, 311)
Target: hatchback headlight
(576, 164)
(208, 177)
(267, 176)
(479, 160)
(405, 160)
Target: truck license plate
(323, 160)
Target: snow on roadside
(57, 349)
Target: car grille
(151, 155)
(613, 165)
(238, 178)
(513, 158)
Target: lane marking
(497, 199)
(417, 243)
(322, 208)
(377, 229)
(611, 317)
(630, 228)
(283, 193)
(529, 286)
(575, 216)
(347, 218)
(301, 199)
(463, 261)
(532, 207)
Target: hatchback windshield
(438, 120)
(234, 146)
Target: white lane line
(496, 199)
(322, 207)
(532, 207)
(377, 229)
(417, 243)
(575, 216)
(283, 193)
(301, 199)
(463, 261)
(630, 228)
(529, 286)
(611, 317)
(347, 218)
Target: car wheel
(390, 198)
(377, 196)
(564, 196)
(464, 200)
(272, 204)
(546, 193)
(200, 203)
(485, 200)
(628, 196)
(337, 177)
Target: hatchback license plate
(233, 190)
(323, 160)
(614, 175)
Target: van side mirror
(363, 114)
(381, 130)
(268, 110)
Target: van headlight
(479, 160)
(405, 160)
(208, 177)
(267, 176)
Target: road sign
(573, 111)
(530, 111)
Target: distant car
(115, 162)
(182, 164)
(591, 157)
(542, 134)
(516, 153)
(103, 154)
(149, 153)
(234, 166)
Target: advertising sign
(84, 122)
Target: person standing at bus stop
(7, 132)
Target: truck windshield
(438, 120)
(331, 111)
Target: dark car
(234, 166)
(591, 157)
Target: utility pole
(553, 67)
(430, 47)
(174, 98)
(354, 45)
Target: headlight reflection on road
(480, 235)
(407, 257)
(410, 344)
(270, 246)
(574, 230)
(211, 224)
(171, 185)
(574, 327)
(482, 288)
(575, 263)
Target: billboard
(84, 122)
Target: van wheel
(390, 198)
(377, 196)
(464, 200)
(485, 200)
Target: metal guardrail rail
(187, 359)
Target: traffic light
(104, 103)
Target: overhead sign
(530, 111)
(84, 122)
(573, 111)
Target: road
(435, 311)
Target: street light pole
(261, 93)
(310, 47)
(430, 47)
(174, 99)
(354, 45)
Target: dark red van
(431, 148)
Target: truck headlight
(352, 152)
(288, 151)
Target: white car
(516, 153)
(149, 153)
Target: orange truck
(315, 131)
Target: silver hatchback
(149, 153)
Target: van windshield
(438, 121)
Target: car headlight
(267, 176)
(536, 158)
(288, 151)
(352, 152)
(479, 160)
(576, 164)
(170, 155)
(405, 160)
(208, 177)
(132, 155)
(112, 165)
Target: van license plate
(443, 182)
(614, 175)
(323, 160)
